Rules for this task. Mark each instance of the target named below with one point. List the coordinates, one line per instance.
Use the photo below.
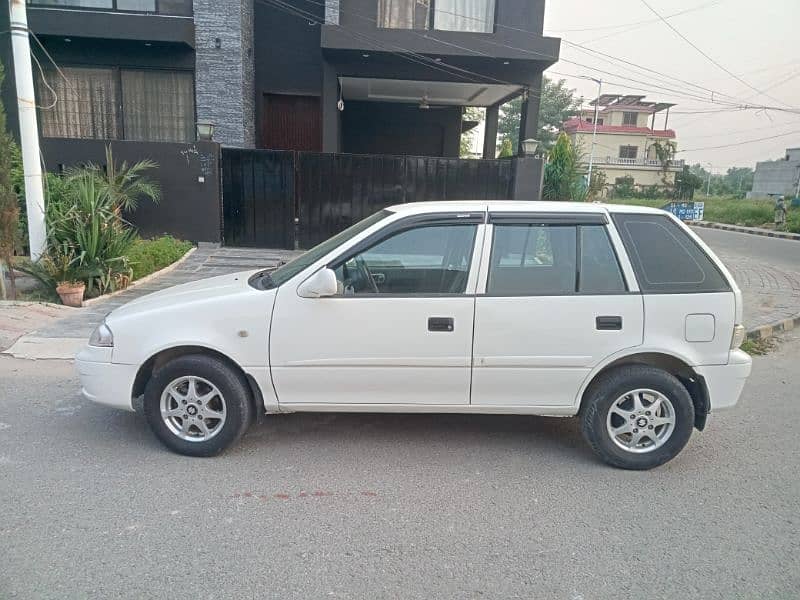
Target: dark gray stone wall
(224, 76)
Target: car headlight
(102, 336)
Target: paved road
(784, 254)
(393, 506)
(766, 269)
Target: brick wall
(224, 76)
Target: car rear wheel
(637, 417)
(197, 405)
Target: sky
(757, 41)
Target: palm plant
(125, 183)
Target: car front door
(552, 303)
(399, 331)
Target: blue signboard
(686, 211)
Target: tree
(471, 113)
(558, 103)
(737, 181)
(506, 149)
(9, 203)
(686, 182)
(563, 179)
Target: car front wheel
(197, 405)
(637, 417)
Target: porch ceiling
(434, 93)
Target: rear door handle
(608, 323)
(441, 324)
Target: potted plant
(71, 293)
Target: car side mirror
(320, 285)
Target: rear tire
(637, 417)
(197, 405)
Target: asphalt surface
(393, 506)
(784, 254)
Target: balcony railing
(638, 162)
(179, 8)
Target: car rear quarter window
(665, 259)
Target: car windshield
(268, 280)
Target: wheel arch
(162, 357)
(674, 365)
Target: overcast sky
(758, 41)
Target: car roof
(532, 206)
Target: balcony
(637, 162)
(177, 8)
(167, 21)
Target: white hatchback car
(618, 314)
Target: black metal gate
(258, 198)
(282, 199)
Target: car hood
(203, 290)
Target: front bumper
(725, 382)
(105, 382)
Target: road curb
(783, 235)
(767, 331)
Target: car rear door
(400, 330)
(553, 301)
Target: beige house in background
(626, 139)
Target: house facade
(627, 140)
(777, 177)
(360, 77)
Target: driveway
(393, 506)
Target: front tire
(197, 405)
(637, 417)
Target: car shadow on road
(556, 438)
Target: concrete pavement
(393, 506)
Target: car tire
(637, 417)
(197, 405)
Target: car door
(400, 329)
(552, 303)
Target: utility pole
(28, 129)
(599, 83)
(708, 181)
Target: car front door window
(425, 260)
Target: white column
(28, 129)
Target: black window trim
(635, 265)
(577, 224)
(404, 224)
(547, 218)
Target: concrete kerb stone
(767, 331)
(783, 235)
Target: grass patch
(758, 347)
(732, 211)
(149, 256)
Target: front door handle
(441, 324)
(608, 323)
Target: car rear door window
(599, 269)
(533, 260)
(665, 259)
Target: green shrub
(148, 256)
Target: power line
(772, 137)
(707, 56)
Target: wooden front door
(291, 123)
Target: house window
(84, 104)
(628, 151)
(161, 7)
(475, 16)
(158, 106)
(599, 121)
(403, 14)
(113, 104)
(630, 118)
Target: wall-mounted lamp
(217, 42)
(205, 131)
(529, 146)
